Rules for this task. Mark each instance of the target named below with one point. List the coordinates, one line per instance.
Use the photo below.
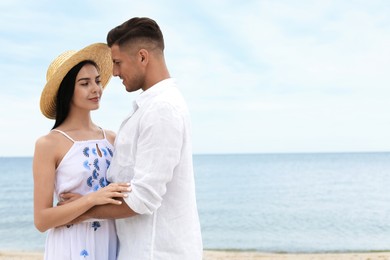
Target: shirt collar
(153, 91)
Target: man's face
(127, 67)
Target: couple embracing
(124, 196)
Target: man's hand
(68, 197)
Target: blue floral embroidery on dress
(108, 163)
(84, 253)
(110, 151)
(96, 187)
(95, 174)
(104, 152)
(86, 165)
(94, 151)
(96, 164)
(89, 181)
(103, 182)
(86, 151)
(95, 225)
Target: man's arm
(111, 211)
(107, 211)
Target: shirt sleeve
(161, 135)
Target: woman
(74, 157)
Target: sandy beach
(234, 255)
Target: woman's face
(88, 89)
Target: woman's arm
(45, 215)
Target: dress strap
(65, 134)
(104, 132)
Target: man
(159, 219)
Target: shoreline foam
(238, 255)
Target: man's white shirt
(153, 152)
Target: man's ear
(143, 54)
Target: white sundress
(83, 170)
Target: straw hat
(98, 52)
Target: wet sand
(237, 255)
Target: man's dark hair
(137, 28)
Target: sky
(272, 76)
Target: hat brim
(98, 52)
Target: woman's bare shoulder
(52, 141)
(48, 148)
(49, 140)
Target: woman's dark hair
(65, 92)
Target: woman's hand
(102, 196)
(108, 194)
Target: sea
(302, 202)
